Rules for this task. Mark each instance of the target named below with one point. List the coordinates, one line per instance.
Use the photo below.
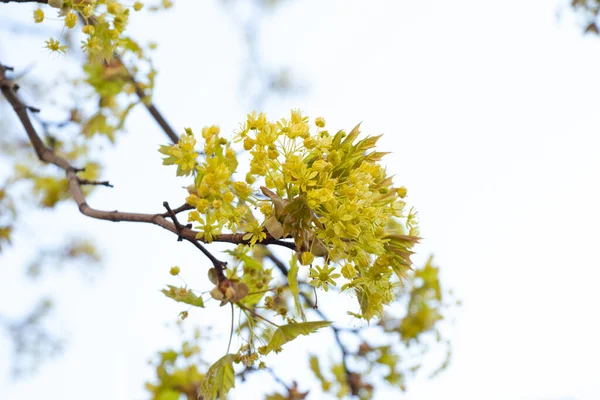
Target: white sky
(491, 111)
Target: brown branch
(25, 1)
(158, 117)
(96, 183)
(218, 265)
(45, 154)
(179, 209)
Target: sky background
(491, 110)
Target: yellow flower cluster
(104, 32)
(327, 192)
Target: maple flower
(208, 230)
(70, 20)
(38, 15)
(55, 46)
(255, 232)
(323, 277)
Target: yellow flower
(320, 122)
(256, 121)
(55, 46)
(137, 6)
(70, 20)
(255, 233)
(208, 230)
(323, 277)
(38, 15)
(348, 271)
(266, 209)
(88, 29)
(174, 271)
(401, 192)
(242, 189)
(307, 258)
(114, 8)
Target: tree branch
(158, 117)
(96, 183)
(8, 88)
(25, 1)
(218, 265)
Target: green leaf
(287, 333)
(293, 282)
(351, 136)
(182, 295)
(219, 379)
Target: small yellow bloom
(266, 209)
(255, 233)
(401, 192)
(88, 29)
(202, 205)
(38, 15)
(137, 6)
(70, 20)
(228, 197)
(320, 122)
(307, 258)
(249, 143)
(55, 46)
(348, 271)
(255, 121)
(114, 8)
(174, 271)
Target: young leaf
(219, 379)
(287, 333)
(183, 295)
(293, 282)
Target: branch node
(172, 215)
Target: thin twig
(218, 265)
(144, 98)
(97, 183)
(243, 307)
(231, 331)
(179, 209)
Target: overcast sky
(491, 110)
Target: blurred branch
(30, 338)
(139, 91)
